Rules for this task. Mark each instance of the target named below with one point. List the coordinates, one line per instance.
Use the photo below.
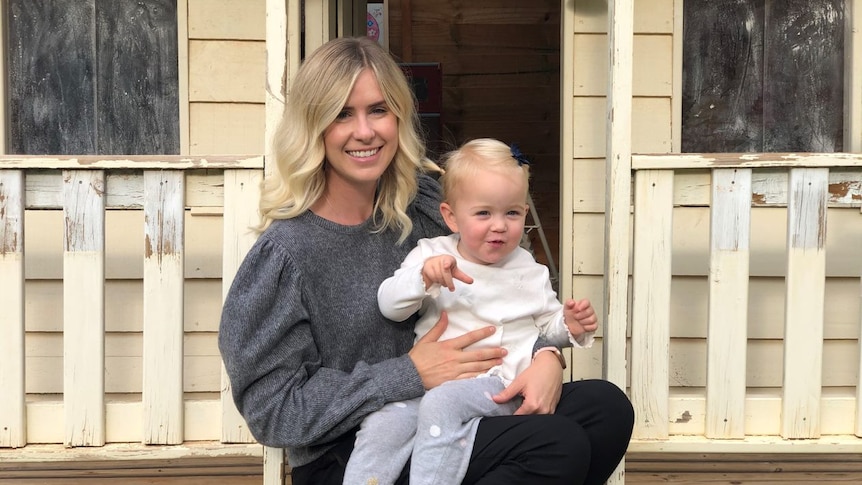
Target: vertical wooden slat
(283, 29)
(13, 431)
(651, 279)
(806, 279)
(273, 466)
(618, 179)
(164, 212)
(83, 307)
(618, 189)
(241, 196)
(730, 224)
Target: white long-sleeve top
(514, 295)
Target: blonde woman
(308, 353)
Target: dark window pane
(51, 85)
(763, 75)
(803, 107)
(722, 76)
(138, 101)
(93, 76)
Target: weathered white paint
(762, 412)
(132, 162)
(283, 55)
(164, 215)
(127, 451)
(751, 444)
(618, 188)
(728, 303)
(806, 274)
(125, 190)
(202, 415)
(241, 194)
(745, 160)
(273, 466)
(13, 430)
(83, 308)
(651, 277)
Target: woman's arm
(280, 383)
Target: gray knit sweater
(308, 353)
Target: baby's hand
(580, 317)
(443, 270)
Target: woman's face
(362, 141)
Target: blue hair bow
(517, 155)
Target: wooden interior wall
(501, 78)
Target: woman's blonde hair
(317, 95)
(476, 156)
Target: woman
(308, 353)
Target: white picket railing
(85, 188)
(726, 414)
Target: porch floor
(641, 469)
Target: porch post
(618, 196)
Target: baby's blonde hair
(317, 95)
(476, 156)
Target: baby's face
(489, 213)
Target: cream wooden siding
(226, 76)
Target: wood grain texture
(730, 225)
(763, 76)
(137, 106)
(13, 430)
(164, 249)
(83, 308)
(52, 77)
(93, 76)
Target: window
(763, 76)
(93, 77)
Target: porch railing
(86, 189)
(728, 411)
(733, 408)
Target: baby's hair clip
(517, 155)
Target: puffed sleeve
(287, 397)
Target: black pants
(581, 443)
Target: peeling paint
(840, 190)
(684, 418)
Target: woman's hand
(540, 386)
(438, 362)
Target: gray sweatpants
(437, 430)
